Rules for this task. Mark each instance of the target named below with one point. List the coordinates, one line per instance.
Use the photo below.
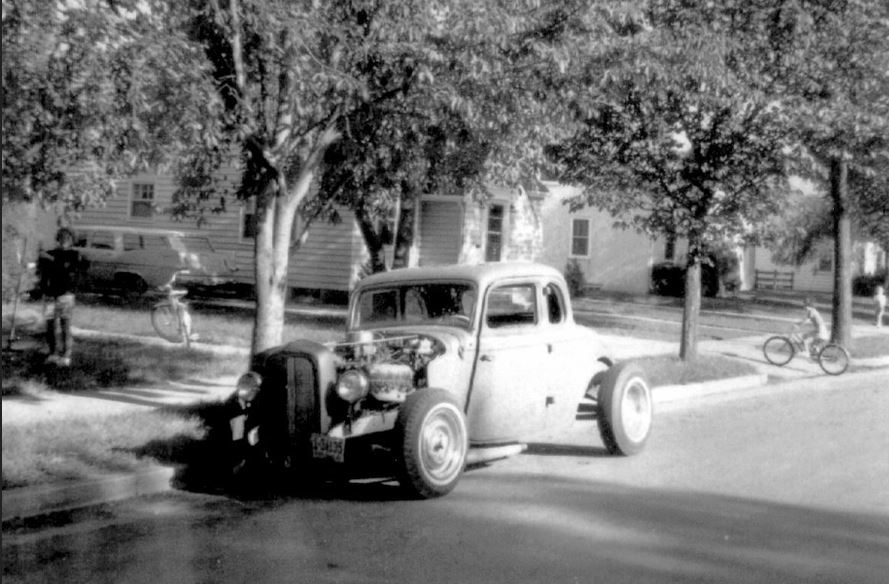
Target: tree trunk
(842, 268)
(373, 241)
(271, 285)
(272, 253)
(688, 344)
(404, 236)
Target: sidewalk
(25, 502)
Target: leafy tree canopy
(88, 97)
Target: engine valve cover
(390, 382)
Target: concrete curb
(27, 502)
(673, 393)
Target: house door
(441, 224)
(494, 241)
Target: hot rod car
(441, 367)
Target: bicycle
(171, 317)
(832, 357)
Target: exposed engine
(394, 365)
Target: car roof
(133, 229)
(482, 274)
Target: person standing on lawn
(59, 270)
(879, 305)
(818, 331)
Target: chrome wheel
(433, 436)
(636, 410)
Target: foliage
(671, 135)
(91, 93)
(575, 278)
(865, 285)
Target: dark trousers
(58, 326)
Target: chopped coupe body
(441, 366)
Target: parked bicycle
(832, 357)
(171, 317)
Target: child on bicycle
(818, 332)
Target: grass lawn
(83, 447)
(52, 451)
(670, 370)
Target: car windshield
(429, 303)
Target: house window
(580, 237)
(142, 202)
(248, 217)
(494, 247)
(670, 248)
(824, 262)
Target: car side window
(552, 300)
(102, 240)
(511, 305)
(132, 241)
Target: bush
(668, 279)
(866, 284)
(574, 278)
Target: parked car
(136, 259)
(441, 367)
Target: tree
(291, 75)
(833, 60)
(672, 138)
(87, 88)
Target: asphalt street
(780, 484)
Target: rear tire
(625, 409)
(433, 439)
(834, 359)
(165, 321)
(778, 351)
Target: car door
(508, 398)
(566, 355)
(100, 249)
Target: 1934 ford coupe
(441, 367)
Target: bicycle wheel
(165, 321)
(834, 359)
(778, 350)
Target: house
(450, 229)
(816, 274)
(618, 260)
(611, 259)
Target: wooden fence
(774, 280)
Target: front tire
(834, 359)
(165, 320)
(625, 409)
(778, 350)
(432, 437)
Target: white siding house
(450, 229)
(611, 259)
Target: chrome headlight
(352, 386)
(248, 386)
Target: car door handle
(486, 358)
(549, 348)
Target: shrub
(864, 285)
(668, 279)
(574, 278)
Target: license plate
(237, 426)
(328, 447)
